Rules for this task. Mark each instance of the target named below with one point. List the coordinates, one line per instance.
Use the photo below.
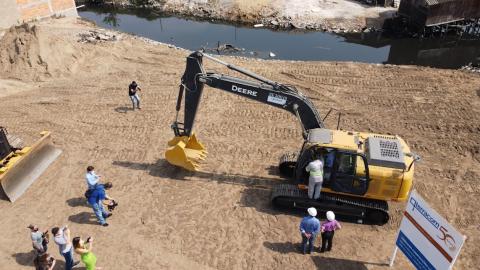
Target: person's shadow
(283, 248)
(75, 202)
(123, 109)
(27, 258)
(84, 218)
(24, 258)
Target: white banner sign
(426, 238)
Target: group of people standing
(310, 226)
(61, 236)
(95, 196)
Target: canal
(289, 45)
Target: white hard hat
(330, 216)
(312, 211)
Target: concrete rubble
(94, 36)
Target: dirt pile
(29, 53)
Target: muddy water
(259, 42)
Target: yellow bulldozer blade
(24, 166)
(186, 152)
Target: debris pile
(471, 68)
(94, 36)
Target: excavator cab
(340, 171)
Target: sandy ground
(329, 15)
(221, 217)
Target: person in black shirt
(132, 92)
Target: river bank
(244, 40)
(327, 15)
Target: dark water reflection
(369, 48)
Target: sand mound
(28, 53)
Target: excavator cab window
(344, 177)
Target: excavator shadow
(257, 190)
(163, 169)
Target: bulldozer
(21, 166)
(362, 171)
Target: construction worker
(39, 239)
(309, 228)
(91, 177)
(315, 180)
(328, 230)
(132, 92)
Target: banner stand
(394, 254)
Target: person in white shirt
(91, 178)
(63, 240)
(315, 180)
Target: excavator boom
(185, 150)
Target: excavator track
(363, 210)
(287, 164)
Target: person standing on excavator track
(132, 92)
(315, 180)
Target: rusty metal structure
(422, 14)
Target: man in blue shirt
(309, 227)
(95, 199)
(91, 177)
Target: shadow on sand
(256, 194)
(75, 202)
(283, 248)
(123, 109)
(164, 169)
(257, 190)
(84, 218)
(3, 196)
(342, 264)
(26, 259)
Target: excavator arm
(185, 150)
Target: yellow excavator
(362, 171)
(21, 166)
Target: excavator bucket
(186, 152)
(22, 167)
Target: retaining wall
(19, 11)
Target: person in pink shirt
(328, 230)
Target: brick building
(19, 11)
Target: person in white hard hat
(309, 228)
(328, 230)
(315, 180)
